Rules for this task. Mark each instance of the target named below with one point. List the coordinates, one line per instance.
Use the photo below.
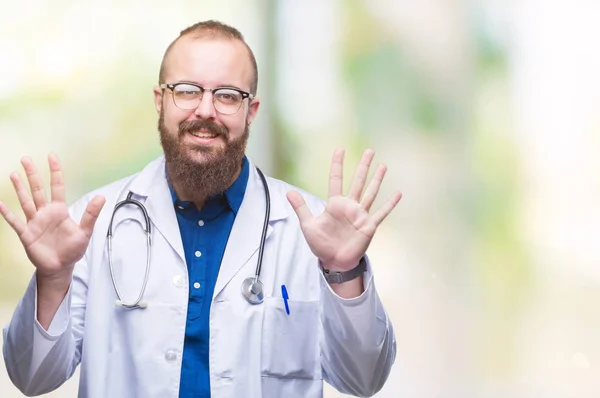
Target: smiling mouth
(201, 134)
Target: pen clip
(285, 296)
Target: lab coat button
(178, 281)
(170, 355)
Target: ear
(253, 109)
(158, 98)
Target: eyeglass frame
(171, 86)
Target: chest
(264, 337)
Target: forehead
(210, 62)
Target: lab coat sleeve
(358, 345)
(40, 361)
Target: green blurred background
(486, 113)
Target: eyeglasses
(226, 100)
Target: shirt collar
(234, 195)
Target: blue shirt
(204, 235)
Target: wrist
(51, 291)
(55, 282)
(336, 275)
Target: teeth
(204, 135)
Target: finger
(92, 211)
(35, 183)
(373, 188)
(360, 175)
(23, 195)
(17, 225)
(57, 185)
(302, 211)
(387, 208)
(336, 173)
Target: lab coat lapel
(244, 239)
(152, 183)
(162, 212)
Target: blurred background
(487, 113)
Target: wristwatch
(340, 277)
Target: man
(204, 324)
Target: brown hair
(212, 29)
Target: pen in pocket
(285, 296)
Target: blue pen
(284, 294)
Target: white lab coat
(255, 350)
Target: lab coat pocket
(290, 342)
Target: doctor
(196, 332)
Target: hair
(212, 29)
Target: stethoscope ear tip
(143, 304)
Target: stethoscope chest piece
(252, 290)
(252, 287)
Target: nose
(206, 109)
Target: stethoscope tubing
(148, 229)
(254, 283)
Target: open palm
(52, 240)
(340, 236)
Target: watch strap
(341, 277)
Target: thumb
(92, 211)
(299, 205)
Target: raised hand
(52, 240)
(341, 235)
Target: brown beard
(219, 167)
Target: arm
(40, 358)
(50, 293)
(42, 343)
(358, 346)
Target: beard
(217, 169)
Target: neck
(198, 198)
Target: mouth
(203, 137)
(203, 134)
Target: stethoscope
(252, 287)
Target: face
(203, 148)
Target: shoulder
(113, 190)
(281, 188)
(108, 191)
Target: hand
(341, 235)
(52, 240)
